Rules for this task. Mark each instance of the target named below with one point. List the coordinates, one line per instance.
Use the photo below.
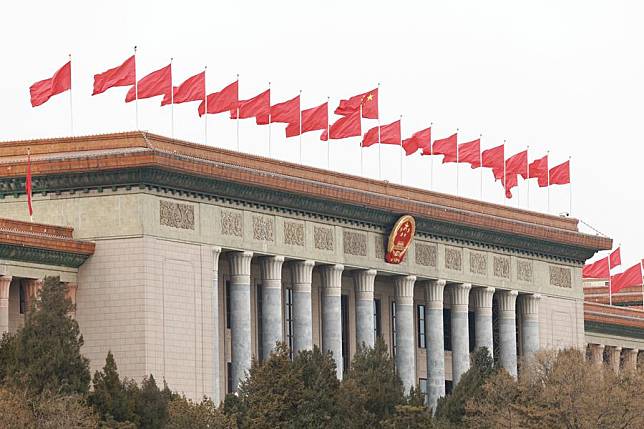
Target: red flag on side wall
(389, 134)
(192, 89)
(596, 270)
(347, 126)
(446, 147)
(28, 188)
(493, 158)
(43, 90)
(313, 119)
(123, 75)
(419, 140)
(539, 170)
(630, 277)
(259, 105)
(222, 101)
(158, 82)
(560, 175)
(287, 112)
(470, 153)
(517, 164)
(368, 100)
(616, 258)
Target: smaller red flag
(286, 112)
(510, 181)
(616, 258)
(192, 89)
(123, 75)
(538, 169)
(597, 270)
(159, 82)
(222, 101)
(347, 126)
(630, 277)
(368, 100)
(389, 134)
(560, 175)
(259, 105)
(43, 90)
(28, 188)
(419, 140)
(493, 158)
(313, 119)
(446, 147)
(517, 164)
(470, 153)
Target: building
(188, 260)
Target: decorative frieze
(379, 245)
(560, 276)
(502, 267)
(323, 238)
(453, 259)
(478, 263)
(262, 228)
(426, 254)
(176, 215)
(294, 233)
(355, 243)
(524, 271)
(231, 223)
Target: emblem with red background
(400, 239)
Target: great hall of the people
(187, 261)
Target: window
(376, 319)
(227, 292)
(229, 370)
(23, 300)
(471, 321)
(422, 385)
(393, 326)
(448, 387)
(258, 309)
(447, 329)
(288, 319)
(344, 312)
(420, 328)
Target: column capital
(271, 267)
(301, 275)
(482, 297)
(459, 294)
(332, 279)
(216, 251)
(507, 300)
(434, 293)
(364, 283)
(529, 305)
(405, 289)
(240, 263)
(5, 282)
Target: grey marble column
(507, 300)
(301, 273)
(405, 333)
(482, 303)
(597, 354)
(435, 342)
(459, 301)
(240, 315)
(216, 393)
(529, 307)
(5, 283)
(630, 359)
(364, 287)
(332, 314)
(615, 358)
(272, 311)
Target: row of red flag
(298, 121)
(601, 269)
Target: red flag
(222, 101)
(616, 258)
(28, 189)
(509, 182)
(630, 277)
(446, 147)
(158, 82)
(123, 75)
(313, 119)
(192, 89)
(597, 270)
(494, 158)
(389, 134)
(560, 175)
(538, 169)
(368, 100)
(259, 105)
(419, 140)
(347, 126)
(517, 164)
(470, 153)
(43, 90)
(287, 112)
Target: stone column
(435, 342)
(482, 300)
(240, 315)
(615, 357)
(72, 288)
(597, 354)
(301, 272)
(508, 330)
(5, 283)
(365, 325)
(530, 324)
(405, 333)
(332, 314)
(272, 311)
(216, 395)
(32, 288)
(459, 300)
(630, 359)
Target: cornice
(614, 329)
(42, 256)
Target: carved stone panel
(379, 244)
(262, 228)
(478, 263)
(502, 267)
(426, 254)
(355, 243)
(560, 276)
(323, 238)
(231, 223)
(524, 271)
(177, 215)
(453, 259)
(294, 233)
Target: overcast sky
(560, 76)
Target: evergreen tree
(47, 349)
(184, 413)
(109, 396)
(7, 354)
(151, 405)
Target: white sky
(561, 76)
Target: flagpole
(172, 103)
(457, 163)
(361, 150)
(548, 177)
(328, 131)
(401, 150)
(610, 284)
(269, 120)
(431, 159)
(205, 101)
(301, 128)
(136, 92)
(30, 195)
(71, 106)
(528, 173)
(481, 166)
(569, 188)
(379, 145)
(505, 179)
(238, 115)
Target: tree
(151, 405)
(47, 348)
(109, 397)
(7, 354)
(184, 413)
(56, 411)
(14, 410)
